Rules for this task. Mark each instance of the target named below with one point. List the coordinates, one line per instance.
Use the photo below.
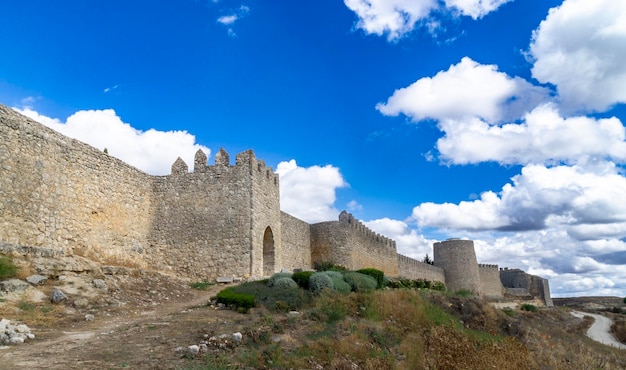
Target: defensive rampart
(350, 243)
(61, 193)
(414, 269)
(491, 286)
(296, 243)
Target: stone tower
(458, 259)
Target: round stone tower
(458, 260)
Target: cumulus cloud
(396, 18)
(309, 193)
(538, 198)
(580, 49)
(543, 136)
(467, 89)
(408, 241)
(475, 8)
(151, 151)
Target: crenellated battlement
(487, 266)
(245, 161)
(348, 218)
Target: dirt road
(600, 331)
(146, 339)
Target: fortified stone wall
(490, 281)
(458, 259)
(350, 243)
(296, 243)
(202, 225)
(414, 269)
(518, 283)
(61, 193)
(267, 256)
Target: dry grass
(619, 327)
(42, 315)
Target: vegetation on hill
(400, 328)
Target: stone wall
(458, 259)
(58, 192)
(519, 283)
(414, 269)
(490, 281)
(296, 243)
(350, 243)
(61, 193)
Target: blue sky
(499, 121)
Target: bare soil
(151, 316)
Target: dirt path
(600, 331)
(146, 339)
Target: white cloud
(542, 137)
(230, 19)
(580, 48)
(396, 18)
(467, 89)
(475, 8)
(151, 151)
(540, 198)
(408, 241)
(392, 17)
(309, 193)
(227, 19)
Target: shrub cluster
(528, 307)
(404, 283)
(360, 282)
(284, 283)
(328, 266)
(376, 274)
(7, 268)
(340, 285)
(277, 276)
(241, 301)
(302, 278)
(319, 281)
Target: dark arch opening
(268, 252)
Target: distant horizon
(501, 122)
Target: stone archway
(268, 252)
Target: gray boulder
(13, 285)
(36, 279)
(58, 296)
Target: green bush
(528, 307)
(277, 275)
(274, 299)
(340, 285)
(376, 274)
(240, 301)
(302, 278)
(7, 268)
(320, 281)
(284, 283)
(328, 266)
(360, 282)
(333, 274)
(624, 299)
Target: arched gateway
(268, 252)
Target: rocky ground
(111, 317)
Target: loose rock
(58, 296)
(36, 279)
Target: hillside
(148, 320)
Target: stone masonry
(215, 220)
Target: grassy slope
(407, 329)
